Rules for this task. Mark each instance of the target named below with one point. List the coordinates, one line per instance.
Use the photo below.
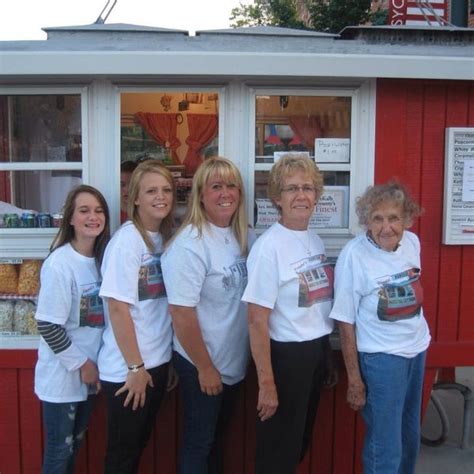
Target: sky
(23, 19)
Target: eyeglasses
(294, 188)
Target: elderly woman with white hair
(384, 335)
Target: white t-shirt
(209, 273)
(380, 292)
(131, 274)
(289, 274)
(69, 296)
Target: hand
(136, 385)
(90, 374)
(332, 377)
(267, 401)
(173, 378)
(356, 395)
(210, 381)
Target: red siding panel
(432, 196)
(411, 120)
(390, 137)
(322, 447)
(29, 423)
(10, 460)
(466, 305)
(450, 258)
(344, 426)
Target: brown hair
(66, 231)
(166, 227)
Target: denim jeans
(205, 419)
(392, 413)
(65, 425)
(128, 431)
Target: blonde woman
(205, 273)
(133, 361)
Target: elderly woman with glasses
(384, 335)
(289, 295)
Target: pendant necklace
(307, 245)
(227, 236)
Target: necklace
(306, 245)
(226, 233)
(227, 237)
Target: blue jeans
(392, 413)
(204, 421)
(65, 425)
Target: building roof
(113, 50)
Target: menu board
(458, 218)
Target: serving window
(316, 126)
(178, 128)
(41, 156)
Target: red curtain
(163, 129)
(307, 128)
(202, 130)
(4, 175)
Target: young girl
(70, 320)
(133, 361)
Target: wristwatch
(134, 367)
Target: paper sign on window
(332, 150)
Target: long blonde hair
(166, 226)
(222, 168)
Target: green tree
(322, 15)
(334, 15)
(267, 12)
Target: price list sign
(458, 228)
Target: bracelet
(135, 367)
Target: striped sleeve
(54, 335)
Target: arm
(124, 331)
(59, 342)
(356, 387)
(258, 317)
(186, 327)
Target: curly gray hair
(393, 192)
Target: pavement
(449, 458)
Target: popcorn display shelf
(15, 339)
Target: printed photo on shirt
(235, 276)
(150, 278)
(400, 296)
(316, 280)
(91, 309)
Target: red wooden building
(390, 94)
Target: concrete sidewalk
(449, 458)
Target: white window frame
(362, 150)
(35, 242)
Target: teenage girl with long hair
(70, 320)
(133, 361)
